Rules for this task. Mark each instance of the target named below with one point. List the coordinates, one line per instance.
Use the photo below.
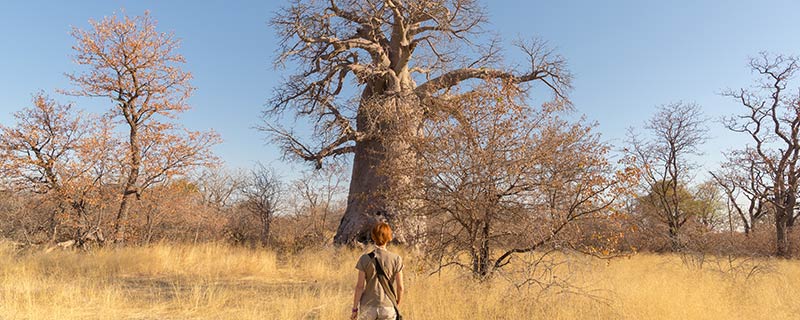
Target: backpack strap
(383, 279)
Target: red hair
(381, 233)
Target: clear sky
(627, 57)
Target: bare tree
(503, 179)
(771, 120)
(319, 194)
(385, 47)
(262, 196)
(220, 188)
(675, 133)
(744, 184)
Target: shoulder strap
(383, 279)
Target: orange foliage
(128, 61)
(60, 154)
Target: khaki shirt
(373, 295)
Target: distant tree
(700, 207)
(771, 120)
(318, 195)
(675, 133)
(744, 183)
(707, 206)
(137, 68)
(262, 197)
(404, 61)
(220, 189)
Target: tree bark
(130, 191)
(54, 223)
(379, 166)
(122, 218)
(782, 239)
(480, 263)
(363, 203)
(149, 222)
(674, 237)
(783, 217)
(266, 222)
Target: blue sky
(627, 57)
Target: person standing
(379, 287)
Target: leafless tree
(319, 194)
(370, 72)
(771, 119)
(744, 185)
(262, 196)
(503, 179)
(219, 188)
(675, 133)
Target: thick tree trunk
(378, 167)
(364, 205)
(370, 199)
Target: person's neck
(381, 247)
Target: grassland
(213, 281)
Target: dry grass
(219, 282)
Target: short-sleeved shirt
(373, 295)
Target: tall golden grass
(214, 281)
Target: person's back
(374, 295)
(371, 300)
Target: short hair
(381, 233)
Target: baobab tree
(137, 67)
(370, 72)
(771, 120)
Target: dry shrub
(175, 212)
(290, 232)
